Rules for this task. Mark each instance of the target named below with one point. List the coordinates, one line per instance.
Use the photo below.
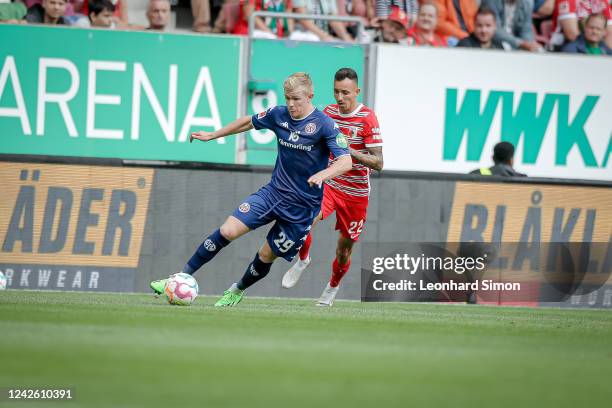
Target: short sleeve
(334, 139)
(372, 136)
(263, 120)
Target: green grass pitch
(119, 350)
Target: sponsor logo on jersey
(294, 137)
(304, 147)
(285, 125)
(341, 140)
(209, 245)
(244, 207)
(310, 128)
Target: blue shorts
(292, 221)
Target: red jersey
(362, 131)
(415, 38)
(579, 9)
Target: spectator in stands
(514, 23)
(48, 12)
(423, 31)
(72, 8)
(543, 8)
(483, 36)
(100, 15)
(158, 14)
(270, 28)
(385, 8)
(456, 18)
(318, 30)
(200, 10)
(393, 28)
(592, 41)
(503, 159)
(13, 13)
(568, 16)
(356, 8)
(120, 15)
(217, 12)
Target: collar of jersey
(297, 120)
(348, 115)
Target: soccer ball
(181, 289)
(2, 281)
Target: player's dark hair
(484, 10)
(503, 152)
(344, 73)
(98, 6)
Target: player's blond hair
(299, 79)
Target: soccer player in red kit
(347, 194)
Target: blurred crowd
(574, 26)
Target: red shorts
(350, 214)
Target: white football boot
(328, 296)
(292, 276)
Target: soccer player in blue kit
(292, 198)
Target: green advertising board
(116, 94)
(273, 61)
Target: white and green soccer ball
(2, 281)
(181, 289)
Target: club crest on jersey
(310, 128)
(341, 140)
(244, 207)
(263, 114)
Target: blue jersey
(304, 147)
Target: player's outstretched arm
(373, 159)
(338, 167)
(238, 126)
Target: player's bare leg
(292, 276)
(340, 267)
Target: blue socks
(255, 272)
(206, 251)
(211, 246)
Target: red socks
(305, 249)
(338, 271)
